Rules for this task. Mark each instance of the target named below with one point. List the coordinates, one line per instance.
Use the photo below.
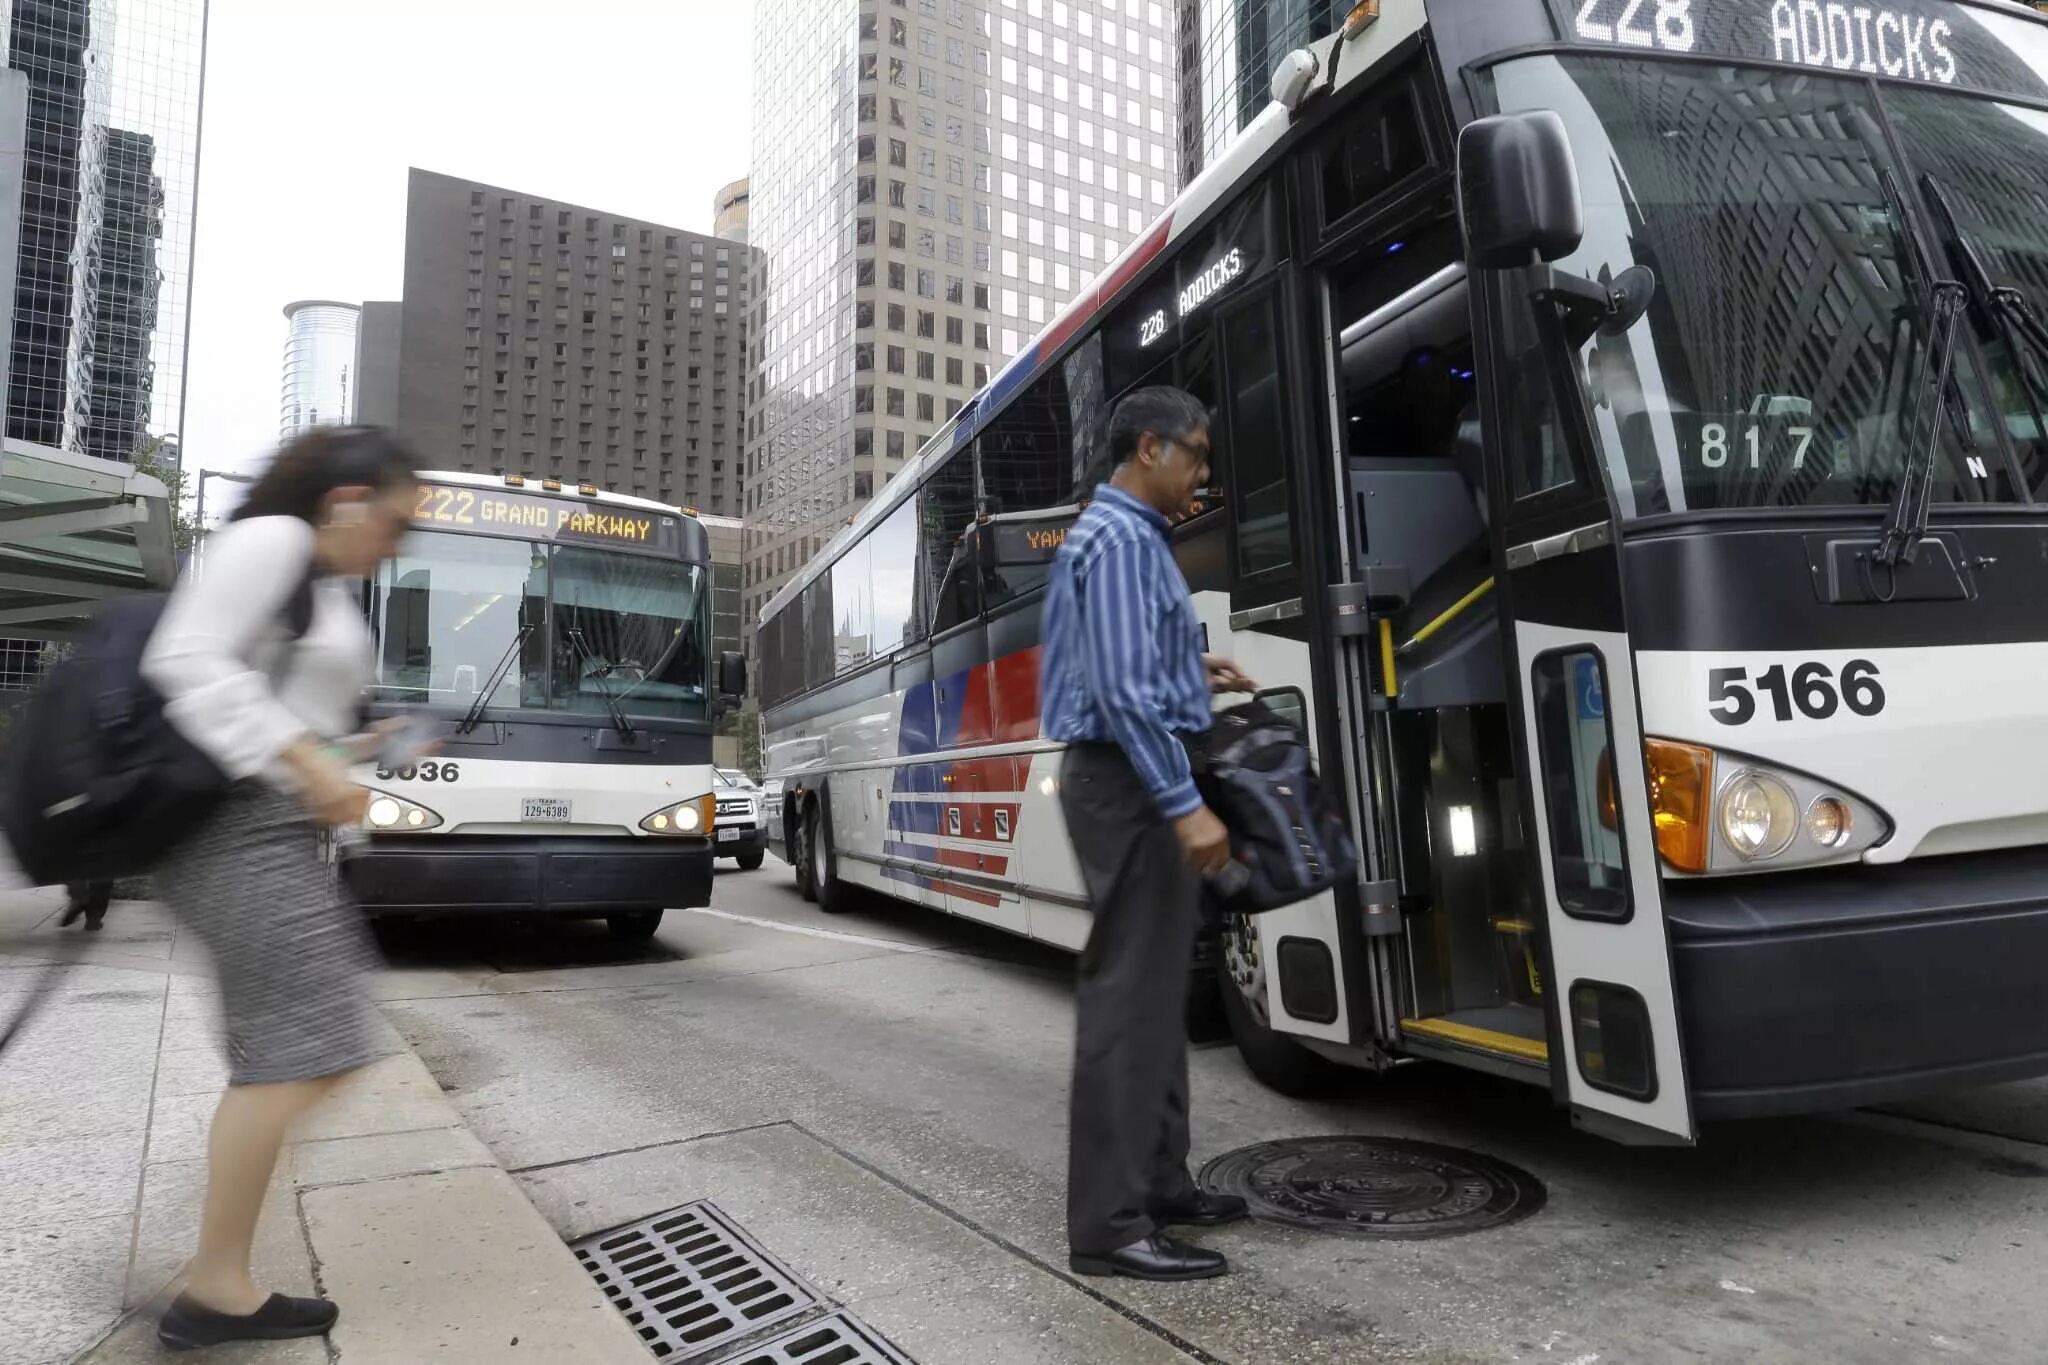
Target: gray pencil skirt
(291, 950)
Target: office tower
(1228, 49)
(103, 274)
(319, 365)
(931, 181)
(546, 338)
(729, 211)
(376, 364)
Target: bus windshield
(1781, 357)
(558, 626)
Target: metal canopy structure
(75, 533)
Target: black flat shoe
(188, 1324)
(1205, 1210)
(1157, 1257)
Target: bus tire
(633, 926)
(800, 850)
(832, 895)
(750, 860)
(1278, 1061)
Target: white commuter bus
(559, 638)
(1631, 463)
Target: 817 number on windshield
(1811, 687)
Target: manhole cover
(1375, 1187)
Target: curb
(386, 1201)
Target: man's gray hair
(1163, 410)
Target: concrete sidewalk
(384, 1200)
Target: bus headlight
(1757, 814)
(1716, 812)
(388, 814)
(692, 817)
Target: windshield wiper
(498, 672)
(604, 688)
(1905, 524)
(2011, 312)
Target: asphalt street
(879, 1098)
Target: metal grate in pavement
(838, 1339)
(689, 1282)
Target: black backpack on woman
(98, 784)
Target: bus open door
(1611, 1011)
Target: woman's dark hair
(316, 462)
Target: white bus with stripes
(557, 640)
(1631, 464)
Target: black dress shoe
(188, 1324)
(1205, 1210)
(1157, 1257)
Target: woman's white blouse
(234, 682)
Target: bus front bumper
(562, 875)
(1864, 985)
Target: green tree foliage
(149, 460)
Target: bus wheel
(800, 852)
(749, 860)
(1276, 1059)
(831, 894)
(634, 926)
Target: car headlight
(388, 814)
(692, 817)
(1716, 812)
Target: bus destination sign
(509, 512)
(1937, 42)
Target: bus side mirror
(1518, 190)
(732, 674)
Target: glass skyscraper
(319, 365)
(109, 190)
(932, 180)
(1228, 49)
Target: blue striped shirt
(1123, 650)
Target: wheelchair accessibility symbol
(1586, 689)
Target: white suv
(738, 825)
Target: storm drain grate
(689, 1282)
(834, 1340)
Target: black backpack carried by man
(98, 784)
(1288, 841)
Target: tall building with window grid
(110, 181)
(932, 180)
(1228, 49)
(537, 337)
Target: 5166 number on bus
(1812, 688)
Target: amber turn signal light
(1681, 778)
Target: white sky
(316, 108)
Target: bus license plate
(549, 808)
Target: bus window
(451, 607)
(853, 609)
(893, 566)
(1025, 475)
(628, 627)
(1575, 754)
(1257, 443)
(1381, 149)
(945, 509)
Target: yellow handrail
(1445, 618)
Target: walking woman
(261, 659)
